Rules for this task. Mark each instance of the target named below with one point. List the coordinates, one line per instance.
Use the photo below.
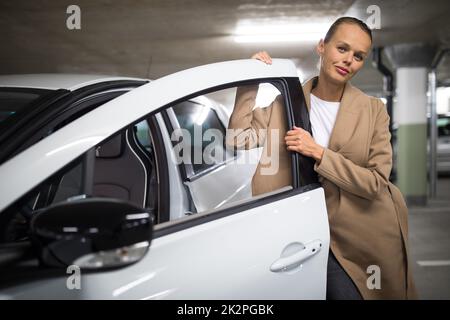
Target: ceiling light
(254, 33)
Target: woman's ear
(320, 48)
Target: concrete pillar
(410, 109)
(412, 63)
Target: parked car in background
(443, 144)
(91, 178)
(442, 148)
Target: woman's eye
(358, 58)
(341, 49)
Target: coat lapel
(307, 87)
(347, 116)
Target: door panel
(229, 258)
(260, 252)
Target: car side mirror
(93, 233)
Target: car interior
(122, 169)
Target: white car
(103, 196)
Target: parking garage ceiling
(154, 38)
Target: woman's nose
(348, 58)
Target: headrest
(111, 148)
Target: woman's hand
(300, 140)
(262, 56)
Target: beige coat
(367, 213)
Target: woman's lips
(342, 71)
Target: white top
(322, 116)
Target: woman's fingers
(293, 133)
(296, 130)
(267, 57)
(292, 138)
(293, 142)
(262, 56)
(293, 148)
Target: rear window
(13, 100)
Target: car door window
(216, 174)
(121, 167)
(197, 119)
(14, 100)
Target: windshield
(13, 100)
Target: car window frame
(292, 93)
(56, 108)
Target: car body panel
(443, 155)
(225, 253)
(194, 263)
(443, 144)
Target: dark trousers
(339, 285)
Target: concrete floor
(429, 236)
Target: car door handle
(295, 254)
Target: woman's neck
(328, 91)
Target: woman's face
(344, 54)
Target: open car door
(274, 246)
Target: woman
(351, 147)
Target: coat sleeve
(366, 182)
(248, 125)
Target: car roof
(57, 81)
